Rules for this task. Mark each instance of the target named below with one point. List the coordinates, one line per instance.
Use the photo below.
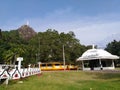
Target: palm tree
(11, 54)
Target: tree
(44, 46)
(12, 53)
(114, 48)
(48, 46)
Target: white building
(97, 59)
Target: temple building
(97, 59)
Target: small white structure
(19, 59)
(8, 72)
(97, 59)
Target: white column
(100, 64)
(19, 59)
(113, 64)
(39, 63)
(29, 67)
(83, 65)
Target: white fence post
(18, 72)
(19, 59)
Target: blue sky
(91, 20)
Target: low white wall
(17, 74)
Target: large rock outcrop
(26, 32)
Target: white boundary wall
(17, 72)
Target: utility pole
(63, 57)
(39, 50)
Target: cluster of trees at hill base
(43, 46)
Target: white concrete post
(113, 64)
(39, 64)
(19, 59)
(101, 67)
(29, 66)
(83, 65)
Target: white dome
(92, 54)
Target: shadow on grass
(11, 82)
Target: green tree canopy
(114, 48)
(43, 46)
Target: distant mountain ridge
(26, 32)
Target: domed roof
(93, 54)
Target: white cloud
(88, 29)
(89, 32)
(96, 32)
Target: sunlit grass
(74, 80)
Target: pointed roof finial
(28, 23)
(93, 46)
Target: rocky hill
(26, 32)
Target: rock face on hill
(26, 32)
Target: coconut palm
(11, 54)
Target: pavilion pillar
(113, 64)
(101, 67)
(82, 64)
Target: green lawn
(73, 80)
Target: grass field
(73, 80)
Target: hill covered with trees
(38, 47)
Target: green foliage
(10, 46)
(114, 48)
(49, 46)
(44, 47)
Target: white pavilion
(97, 59)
